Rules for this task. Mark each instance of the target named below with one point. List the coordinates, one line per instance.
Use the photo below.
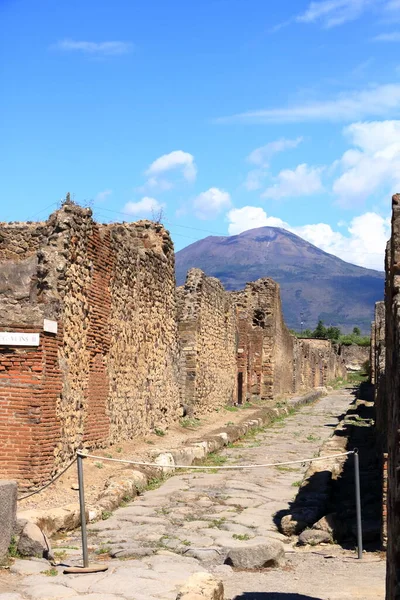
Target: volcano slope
(314, 285)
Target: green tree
(320, 331)
(333, 333)
(356, 331)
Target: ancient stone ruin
(385, 374)
(98, 345)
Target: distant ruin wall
(355, 356)
(272, 361)
(392, 393)
(207, 330)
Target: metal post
(82, 510)
(358, 504)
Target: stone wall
(392, 392)
(130, 349)
(355, 356)
(378, 361)
(207, 329)
(111, 371)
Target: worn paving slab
(192, 521)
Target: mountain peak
(314, 284)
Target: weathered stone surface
(249, 556)
(207, 331)
(314, 537)
(34, 566)
(290, 526)
(33, 542)
(111, 371)
(118, 368)
(326, 524)
(202, 586)
(8, 509)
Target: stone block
(202, 586)
(257, 556)
(8, 511)
(33, 542)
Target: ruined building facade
(385, 374)
(119, 349)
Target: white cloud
(373, 162)
(331, 13)
(95, 48)
(174, 160)
(146, 207)
(209, 204)
(302, 181)
(393, 36)
(155, 184)
(255, 179)
(363, 244)
(250, 217)
(261, 156)
(102, 196)
(378, 101)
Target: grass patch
(119, 450)
(103, 550)
(241, 536)
(106, 514)
(50, 572)
(296, 484)
(214, 459)
(188, 422)
(154, 483)
(357, 377)
(313, 438)
(231, 408)
(286, 469)
(13, 549)
(159, 432)
(216, 523)
(60, 554)
(99, 465)
(125, 500)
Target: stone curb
(131, 482)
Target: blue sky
(224, 114)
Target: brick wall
(112, 370)
(29, 383)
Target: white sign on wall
(50, 326)
(9, 338)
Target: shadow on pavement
(274, 596)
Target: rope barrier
(49, 483)
(227, 467)
(194, 467)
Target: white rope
(149, 464)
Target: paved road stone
(194, 520)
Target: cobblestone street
(210, 521)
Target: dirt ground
(62, 492)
